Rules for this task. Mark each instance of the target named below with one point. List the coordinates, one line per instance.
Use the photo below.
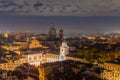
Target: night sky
(70, 15)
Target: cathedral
(52, 32)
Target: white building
(34, 58)
(64, 50)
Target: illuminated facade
(112, 71)
(14, 47)
(9, 65)
(34, 58)
(37, 58)
(91, 37)
(35, 44)
(64, 50)
(6, 35)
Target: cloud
(61, 7)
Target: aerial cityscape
(59, 40)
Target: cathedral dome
(52, 32)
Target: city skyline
(42, 24)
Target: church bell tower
(64, 50)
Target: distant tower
(52, 32)
(61, 33)
(64, 50)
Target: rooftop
(3, 61)
(115, 61)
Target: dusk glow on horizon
(69, 24)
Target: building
(47, 69)
(112, 70)
(64, 50)
(67, 70)
(23, 44)
(110, 75)
(38, 57)
(6, 35)
(52, 32)
(9, 65)
(61, 33)
(35, 44)
(34, 57)
(12, 47)
(42, 37)
(91, 37)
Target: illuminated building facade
(6, 35)
(64, 50)
(36, 44)
(34, 58)
(12, 47)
